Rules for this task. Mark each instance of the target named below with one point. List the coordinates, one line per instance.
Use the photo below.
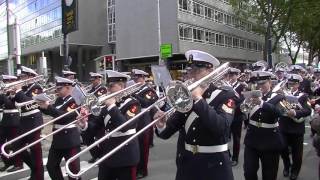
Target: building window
(235, 42)
(208, 13)
(228, 41)
(184, 5)
(249, 45)
(242, 44)
(198, 9)
(210, 37)
(198, 35)
(111, 21)
(218, 16)
(185, 32)
(220, 39)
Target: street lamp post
(159, 32)
(16, 41)
(269, 35)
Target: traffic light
(101, 65)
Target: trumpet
(176, 92)
(32, 103)
(90, 103)
(4, 87)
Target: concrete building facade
(129, 29)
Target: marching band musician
(239, 117)
(66, 143)
(146, 96)
(263, 139)
(280, 73)
(202, 149)
(69, 74)
(122, 164)
(305, 84)
(9, 126)
(77, 93)
(293, 131)
(89, 137)
(316, 91)
(31, 117)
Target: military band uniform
(122, 164)
(146, 97)
(31, 117)
(205, 128)
(293, 134)
(89, 137)
(65, 143)
(9, 128)
(263, 139)
(239, 117)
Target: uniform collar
(295, 92)
(64, 98)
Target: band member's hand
(83, 117)
(312, 101)
(161, 123)
(43, 104)
(197, 93)
(110, 101)
(292, 113)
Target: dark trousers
(151, 136)
(144, 145)
(54, 159)
(89, 138)
(269, 162)
(116, 173)
(8, 133)
(295, 142)
(236, 128)
(32, 158)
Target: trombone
(4, 87)
(89, 103)
(176, 89)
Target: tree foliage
(294, 23)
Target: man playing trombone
(146, 96)
(88, 137)
(239, 117)
(9, 125)
(66, 143)
(122, 164)
(31, 117)
(202, 151)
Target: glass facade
(40, 21)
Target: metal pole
(18, 45)
(269, 35)
(159, 32)
(66, 52)
(9, 67)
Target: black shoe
(13, 169)
(286, 172)
(293, 176)
(234, 163)
(140, 176)
(92, 160)
(4, 168)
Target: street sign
(69, 16)
(166, 51)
